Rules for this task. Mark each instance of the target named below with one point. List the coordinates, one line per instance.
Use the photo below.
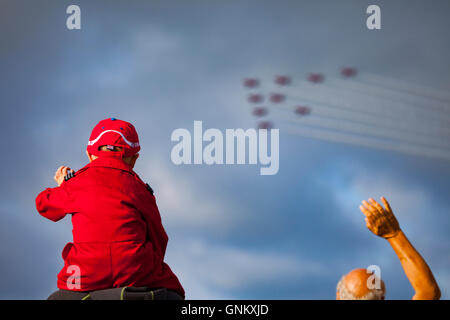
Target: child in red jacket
(118, 238)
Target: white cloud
(409, 202)
(189, 204)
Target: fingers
(391, 217)
(379, 220)
(367, 209)
(364, 210)
(369, 216)
(377, 206)
(60, 169)
(57, 173)
(386, 204)
(61, 172)
(373, 210)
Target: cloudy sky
(163, 64)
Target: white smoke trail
(342, 137)
(390, 94)
(371, 104)
(407, 87)
(382, 121)
(354, 127)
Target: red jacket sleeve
(155, 230)
(53, 203)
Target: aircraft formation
(356, 108)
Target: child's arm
(155, 230)
(52, 203)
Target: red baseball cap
(114, 132)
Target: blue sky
(163, 64)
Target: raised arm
(382, 222)
(52, 203)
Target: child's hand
(60, 174)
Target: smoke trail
(390, 94)
(374, 104)
(404, 86)
(363, 116)
(354, 127)
(341, 137)
(366, 114)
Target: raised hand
(381, 221)
(60, 174)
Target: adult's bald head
(359, 284)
